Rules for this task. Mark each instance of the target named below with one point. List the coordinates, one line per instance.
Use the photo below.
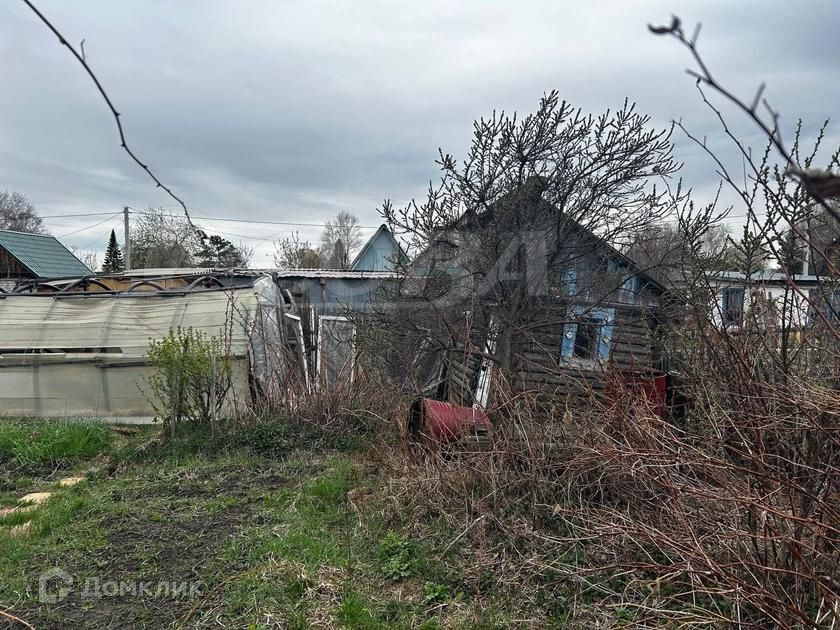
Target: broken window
(586, 339)
(589, 336)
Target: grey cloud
(291, 110)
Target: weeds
(52, 443)
(399, 556)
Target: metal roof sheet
(42, 254)
(335, 273)
(767, 276)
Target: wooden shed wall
(539, 366)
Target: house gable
(382, 252)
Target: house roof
(42, 254)
(393, 247)
(279, 273)
(765, 277)
(533, 191)
(336, 273)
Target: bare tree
(533, 198)
(660, 249)
(18, 214)
(340, 240)
(159, 240)
(731, 503)
(89, 258)
(293, 253)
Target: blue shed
(380, 253)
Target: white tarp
(78, 355)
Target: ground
(193, 534)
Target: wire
(364, 227)
(85, 214)
(81, 59)
(254, 221)
(90, 227)
(94, 241)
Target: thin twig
(11, 617)
(80, 57)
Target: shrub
(191, 377)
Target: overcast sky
(292, 110)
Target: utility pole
(126, 245)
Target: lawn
(205, 533)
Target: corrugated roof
(280, 273)
(765, 275)
(42, 254)
(335, 273)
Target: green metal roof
(43, 255)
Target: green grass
(52, 443)
(275, 536)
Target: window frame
(728, 315)
(321, 378)
(603, 320)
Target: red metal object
(442, 421)
(648, 387)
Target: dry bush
(347, 409)
(730, 519)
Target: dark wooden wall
(10, 267)
(539, 367)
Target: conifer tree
(114, 261)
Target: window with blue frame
(589, 337)
(631, 284)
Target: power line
(94, 241)
(364, 227)
(84, 214)
(254, 221)
(89, 227)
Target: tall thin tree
(114, 260)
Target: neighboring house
(382, 252)
(25, 256)
(768, 298)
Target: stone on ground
(70, 481)
(36, 497)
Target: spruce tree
(114, 261)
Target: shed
(25, 256)
(324, 299)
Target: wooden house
(556, 312)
